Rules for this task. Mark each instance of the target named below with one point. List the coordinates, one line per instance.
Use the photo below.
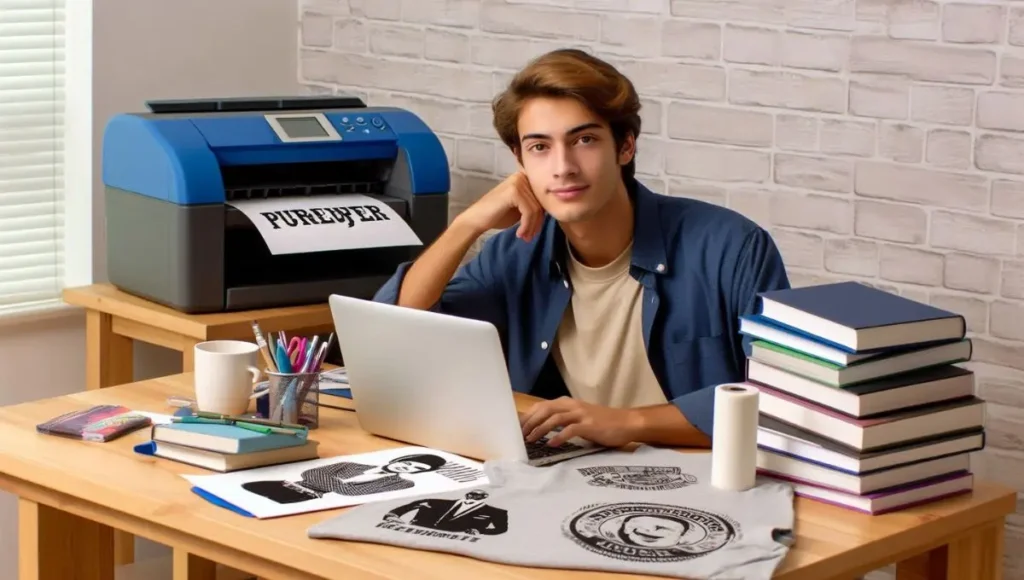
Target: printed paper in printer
(652, 512)
(315, 223)
(344, 480)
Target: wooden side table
(115, 318)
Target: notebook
(98, 423)
(222, 438)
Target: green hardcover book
(835, 375)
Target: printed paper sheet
(326, 222)
(341, 481)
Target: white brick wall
(879, 140)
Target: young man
(617, 305)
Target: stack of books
(225, 445)
(862, 401)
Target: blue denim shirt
(701, 267)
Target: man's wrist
(663, 425)
(636, 421)
(466, 227)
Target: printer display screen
(298, 127)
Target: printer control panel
(371, 124)
(344, 126)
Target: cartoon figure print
(469, 515)
(348, 478)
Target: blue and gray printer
(171, 173)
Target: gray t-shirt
(652, 511)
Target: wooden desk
(114, 318)
(71, 493)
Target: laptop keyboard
(540, 448)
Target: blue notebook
(222, 438)
(860, 318)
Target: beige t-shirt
(599, 347)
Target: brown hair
(572, 73)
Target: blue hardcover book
(761, 327)
(859, 318)
(223, 438)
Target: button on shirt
(701, 267)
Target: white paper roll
(734, 438)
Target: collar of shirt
(649, 246)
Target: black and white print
(649, 532)
(348, 478)
(331, 482)
(637, 477)
(468, 516)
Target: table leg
(108, 362)
(191, 567)
(108, 356)
(56, 545)
(976, 555)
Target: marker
(204, 420)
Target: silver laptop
(437, 381)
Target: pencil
(261, 341)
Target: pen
(326, 347)
(245, 422)
(311, 354)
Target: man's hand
(509, 202)
(602, 425)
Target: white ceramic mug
(225, 375)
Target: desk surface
(109, 483)
(107, 299)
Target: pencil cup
(294, 398)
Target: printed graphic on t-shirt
(463, 519)
(637, 477)
(649, 532)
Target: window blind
(31, 153)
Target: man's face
(569, 156)
(654, 532)
(407, 467)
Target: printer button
(344, 120)
(377, 122)
(360, 121)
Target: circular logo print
(638, 477)
(649, 532)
